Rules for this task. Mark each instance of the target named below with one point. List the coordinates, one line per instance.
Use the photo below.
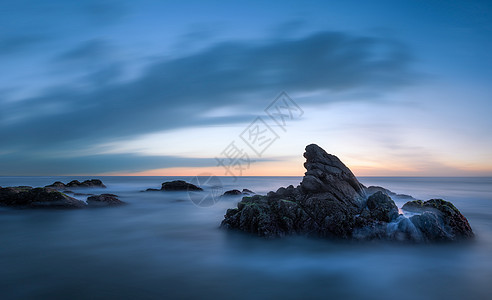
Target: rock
(325, 204)
(233, 193)
(179, 185)
(374, 189)
(326, 173)
(382, 207)
(77, 184)
(331, 203)
(57, 185)
(429, 225)
(246, 192)
(28, 197)
(152, 190)
(454, 225)
(104, 200)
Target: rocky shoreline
(331, 203)
(51, 196)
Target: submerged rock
(179, 185)
(104, 200)
(28, 197)
(331, 203)
(374, 189)
(238, 192)
(77, 184)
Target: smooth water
(162, 246)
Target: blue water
(162, 246)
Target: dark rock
(82, 194)
(233, 193)
(382, 207)
(325, 204)
(430, 226)
(246, 191)
(374, 189)
(326, 173)
(77, 184)
(104, 200)
(57, 185)
(454, 224)
(179, 185)
(152, 190)
(331, 203)
(27, 197)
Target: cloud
(175, 92)
(13, 44)
(94, 49)
(18, 164)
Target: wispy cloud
(174, 92)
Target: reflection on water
(161, 245)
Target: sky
(239, 88)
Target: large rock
(104, 200)
(452, 224)
(77, 184)
(179, 185)
(27, 197)
(331, 203)
(324, 204)
(326, 173)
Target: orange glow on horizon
(290, 168)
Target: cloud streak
(175, 92)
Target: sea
(168, 245)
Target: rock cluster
(331, 203)
(77, 184)
(28, 197)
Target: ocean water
(162, 246)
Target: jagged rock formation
(331, 203)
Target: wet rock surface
(28, 197)
(331, 203)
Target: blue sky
(163, 87)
